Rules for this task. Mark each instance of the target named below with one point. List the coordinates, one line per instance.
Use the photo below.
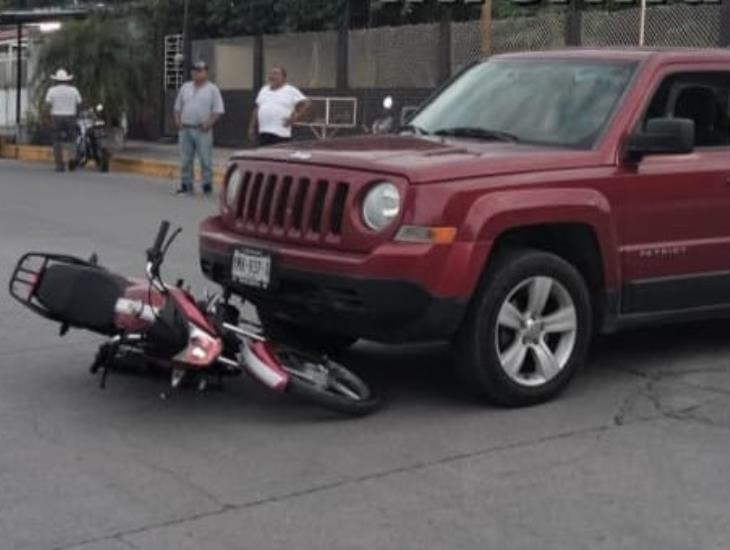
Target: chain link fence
(408, 62)
(678, 25)
(541, 32)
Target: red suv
(535, 199)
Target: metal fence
(410, 61)
(676, 25)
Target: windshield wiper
(478, 133)
(413, 128)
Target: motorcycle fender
(263, 365)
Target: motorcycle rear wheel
(328, 384)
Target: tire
(304, 337)
(359, 399)
(513, 348)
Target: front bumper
(340, 301)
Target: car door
(676, 229)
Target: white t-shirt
(64, 99)
(275, 106)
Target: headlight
(233, 188)
(381, 206)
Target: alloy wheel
(535, 333)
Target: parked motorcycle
(167, 328)
(90, 136)
(392, 118)
(386, 122)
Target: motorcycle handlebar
(156, 249)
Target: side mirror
(663, 136)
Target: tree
(108, 58)
(217, 18)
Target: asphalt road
(635, 455)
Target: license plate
(251, 268)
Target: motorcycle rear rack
(28, 274)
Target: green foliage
(215, 18)
(108, 58)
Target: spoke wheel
(323, 382)
(535, 333)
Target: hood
(424, 159)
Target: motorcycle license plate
(251, 268)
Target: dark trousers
(271, 139)
(64, 129)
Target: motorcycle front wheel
(327, 384)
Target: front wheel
(328, 384)
(528, 329)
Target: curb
(122, 164)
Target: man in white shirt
(279, 106)
(64, 100)
(198, 107)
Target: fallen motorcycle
(166, 327)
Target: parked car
(536, 199)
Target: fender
(494, 213)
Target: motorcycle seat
(81, 296)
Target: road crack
(353, 480)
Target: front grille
(291, 207)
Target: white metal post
(642, 22)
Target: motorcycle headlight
(233, 188)
(381, 206)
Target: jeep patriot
(535, 199)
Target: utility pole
(486, 25)
(445, 42)
(343, 62)
(187, 41)
(642, 23)
(19, 79)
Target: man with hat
(198, 106)
(64, 100)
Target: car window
(703, 98)
(550, 101)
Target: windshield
(553, 102)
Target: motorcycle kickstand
(111, 352)
(101, 354)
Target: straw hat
(62, 76)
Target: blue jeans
(194, 141)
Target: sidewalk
(154, 159)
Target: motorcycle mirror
(388, 102)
